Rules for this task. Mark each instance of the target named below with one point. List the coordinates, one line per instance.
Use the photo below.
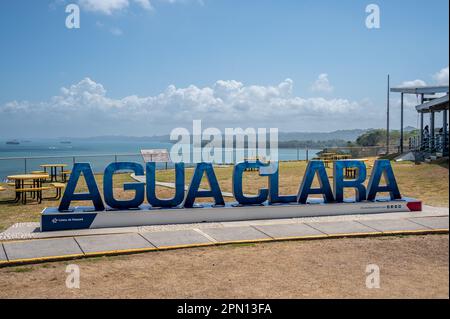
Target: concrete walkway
(52, 246)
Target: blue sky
(144, 67)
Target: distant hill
(346, 135)
(120, 138)
(409, 129)
(342, 135)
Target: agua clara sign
(314, 168)
(181, 208)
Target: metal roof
(421, 89)
(438, 104)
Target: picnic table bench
(59, 187)
(33, 184)
(351, 172)
(65, 175)
(253, 159)
(54, 170)
(28, 183)
(36, 192)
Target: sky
(145, 67)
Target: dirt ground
(410, 267)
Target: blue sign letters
(269, 195)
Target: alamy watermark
(374, 17)
(372, 20)
(73, 17)
(373, 277)
(73, 277)
(211, 145)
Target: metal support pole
(445, 132)
(432, 131)
(401, 125)
(421, 121)
(421, 128)
(25, 162)
(307, 155)
(387, 116)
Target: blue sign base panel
(85, 217)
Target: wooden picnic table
(54, 170)
(326, 156)
(327, 162)
(334, 156)
(356, 159)
(351, 172)
(343, 156)
(21, 189)
(253, 159)
(347, 171)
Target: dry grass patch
(410, 267)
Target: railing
(19, 165)
(441, 144)
(362, 151)
(438, 143)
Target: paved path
(96, 242)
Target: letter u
(151, 186)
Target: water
(97, 153)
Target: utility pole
(387, 121)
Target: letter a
(70, 195)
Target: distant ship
(14, 142)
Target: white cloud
(144, 4)
(441, 77)
(104, 6)
(322, 84)
(414, 83)
(85, 108)
(110, 6)
(116, 31)
(200, 2)
(113, 30)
